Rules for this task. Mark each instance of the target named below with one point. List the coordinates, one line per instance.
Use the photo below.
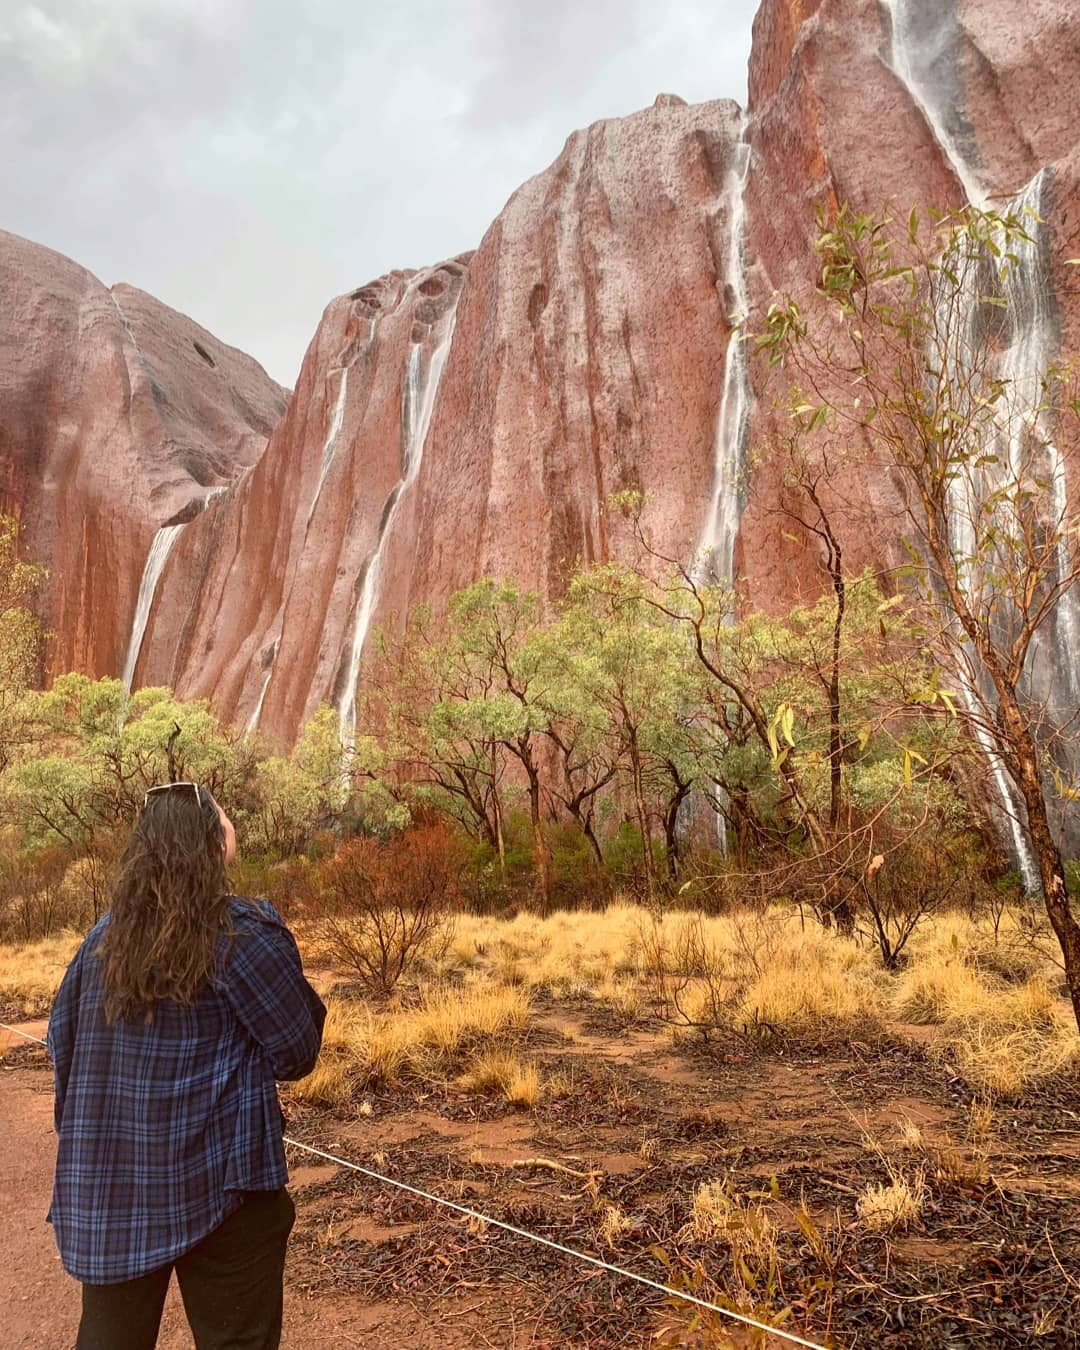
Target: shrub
(39, 896)
(381, 906)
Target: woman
(180, 1009)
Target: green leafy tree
(299, 794)
(925, 345)
(411, 755)
(631, 668)
(496, 694)
(20, 638)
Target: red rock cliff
(474, 417)
(587, 354)
(117, 415)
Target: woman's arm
(265, 985)
(63, 1021)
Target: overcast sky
(246, 160)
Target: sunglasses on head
(170, 787)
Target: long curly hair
(169, 905)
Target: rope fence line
(536, 1238)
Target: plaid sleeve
(266, 987)
(61, 1034)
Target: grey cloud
(245, 160)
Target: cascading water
(717, 548)
(333, 431)
(337, 417)
(160, 548)
(253, 720)
(922, 35)
(716, 551)
(418, 404)
(921, 59)
(329, 450)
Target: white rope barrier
(536, 1238)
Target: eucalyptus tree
(934, 347)
(20, 637)
(632, 668)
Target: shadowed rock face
(117, 415)
(474, 417)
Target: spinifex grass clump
(499, 1070)
(893, 1206)
(31, 975)
(1010, 1040)
(363, 1045)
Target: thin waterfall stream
(160, 547)
(922, 60)
(418, 404)
(716, 549)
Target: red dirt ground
(644, 1124)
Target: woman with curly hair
(179, 1011)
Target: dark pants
(231, 1284)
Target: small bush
(42, 894)
(382, 906)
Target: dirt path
(40, 1303)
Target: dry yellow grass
(614, 1224)
(717, 1215)
(30, 975)
(893, 1206)
(1010, 1040)
(363, 1045)
(933, 989)
(499, 1070)
(789, 972)
(1000, 1024)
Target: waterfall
(253, 720)
(717, 548)
(337, 417)
(156, 559)
(418, 404)
(160, 548)
(333, 431)
(922, 61)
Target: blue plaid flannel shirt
(163, 1124)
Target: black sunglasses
(168, 787)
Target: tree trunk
(1051, 867)
(671, 822)
(540, 849)
(643, 819)
(500, 842)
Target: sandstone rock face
(490, 408)
(895, 105)
(588, 357)
(264, 593)
(473, 418)
(117, 415)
